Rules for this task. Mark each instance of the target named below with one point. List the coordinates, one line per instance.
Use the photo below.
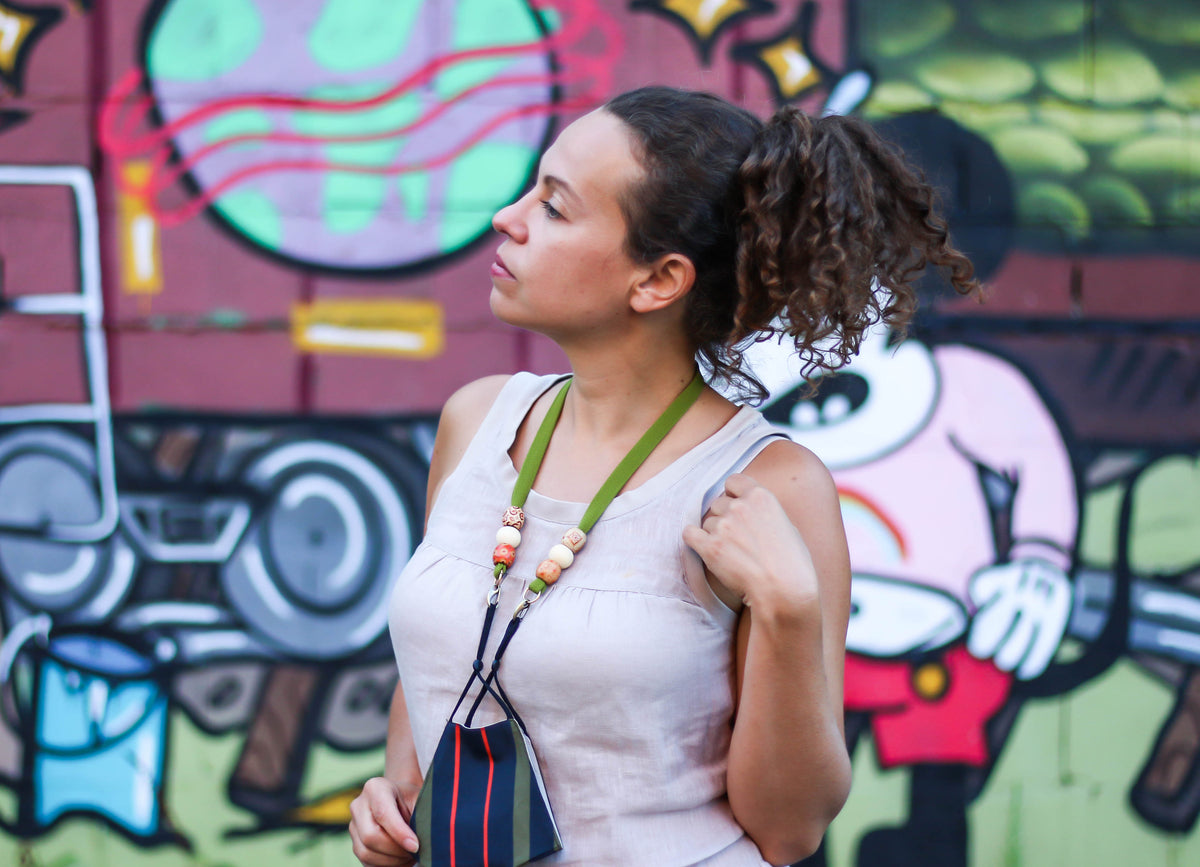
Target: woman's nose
(507, 221)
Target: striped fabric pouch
(483, 802)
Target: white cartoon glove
(891, 617)
(1021, 615)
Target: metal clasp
(494, 593)
(527, 599)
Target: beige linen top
(622, 671)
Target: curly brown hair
(814, 227)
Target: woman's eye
(550, 210)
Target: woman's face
(562, 269)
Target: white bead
(562, 555)
(508, 536)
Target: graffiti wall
(243, 260)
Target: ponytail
(813, 227)
(834, 229)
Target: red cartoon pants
(933, 712)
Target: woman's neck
(617, 395)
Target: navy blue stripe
(500, 837)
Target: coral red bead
(513, 517)
(505, 554)
(548, 571)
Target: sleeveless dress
(622, 671)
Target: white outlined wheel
(48, 479)
(312, 574)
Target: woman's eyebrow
(559, 184)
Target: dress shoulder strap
(499, 427)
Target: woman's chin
(503, 307)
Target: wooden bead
(548, 571)
(508, 536)
(505, 554)
(513, 517)
(562, 555)
(574, 539)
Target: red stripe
(487, 799)
(454, 796)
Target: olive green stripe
(520, 798)
(423, 820)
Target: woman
(682, 683)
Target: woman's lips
(499, 270)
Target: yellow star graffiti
(793, 69)
(706, 16)
(15, 28)
(20, 27)
(703, 20)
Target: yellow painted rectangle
(406, 328)
(141, 259)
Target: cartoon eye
(827, 400)
(856, 414)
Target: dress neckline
(569, 512)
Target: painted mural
(243, 257)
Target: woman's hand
(750, 545)
(379, 825)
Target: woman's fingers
(739, 485)
(372, 858)
(381, 836)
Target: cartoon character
(960, 507)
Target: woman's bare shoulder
(462, 415)
(468, 406)
(790, 470)
(802, 484)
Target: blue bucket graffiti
(100, 732)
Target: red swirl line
(163, 177)
(117, 122)
(575, 27)
(210, 193)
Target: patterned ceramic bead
(505, 554)
(508, 536)
(562, 555)
(548, 571)
(513, 517)
(574, 539)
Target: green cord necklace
(563, 554)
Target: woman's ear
(669, 279)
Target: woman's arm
(775, 539)
(379, 827)
(379, 831)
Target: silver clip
(528, 598)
